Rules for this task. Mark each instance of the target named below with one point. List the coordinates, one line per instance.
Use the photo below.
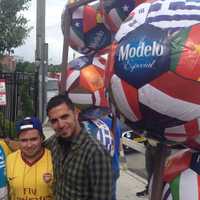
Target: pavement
(128, 183)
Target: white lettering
(97, 39)
(126, 52)
(147, 51)
(123, 54)
(131, 68)
(140, 50)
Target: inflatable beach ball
(116, 11)
(181, 176)
(156, 81)
(85, 82)
(88, 34)
(166, 14)
(153, 56)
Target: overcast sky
(54, 35)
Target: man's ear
(77, 112)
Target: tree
(26, 67)
(54, 68)
(13, 25)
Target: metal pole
(39, 54)
(45, 80)
(67, 18)
(157, 185)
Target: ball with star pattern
(88, 33)
(116, 11)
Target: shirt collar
(74, 142)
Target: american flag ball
(116, 11)
(88, 33)
(157, 70)
(85, 82)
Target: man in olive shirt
(82, 167)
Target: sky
(54, 37)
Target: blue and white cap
(29, 123)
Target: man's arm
(100, 171)
(9, 145)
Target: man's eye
(64, 117)
(23, 140)
(33, 139)
(53, 121)
(30, 139)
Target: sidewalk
(128, 183)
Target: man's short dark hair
(60, 99)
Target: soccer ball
(86, 80)
(156, 77)
(116, 11)
(88, 33)
(170, 15)
(181, 176)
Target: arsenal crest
(47, 177)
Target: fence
(21, 100)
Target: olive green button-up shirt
(82, 168)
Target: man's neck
(78, 129)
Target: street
(136, 163)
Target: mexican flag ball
(182, 176)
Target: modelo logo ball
(143, 55)
(162, 98)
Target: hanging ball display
(85, 81)
(88, 33)
(116, 11)
(156, 71)
(170, 15)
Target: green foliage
(26, 67)
(8, 126)
(54, 68)
(30, 67)
(13, 24)
(26, 101)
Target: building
(8, 63)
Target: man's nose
(60, 123)
(29, 143)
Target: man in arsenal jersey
(29, 169)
